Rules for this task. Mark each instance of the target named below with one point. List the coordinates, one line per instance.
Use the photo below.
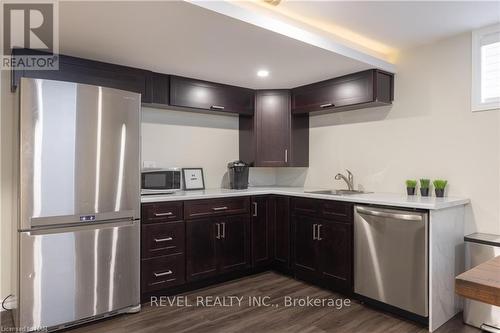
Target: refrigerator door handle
(81, 227)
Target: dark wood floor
(246, 318)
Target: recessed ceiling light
(263, 73)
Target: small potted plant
(411, 184)
(424, 187)
(439, 185)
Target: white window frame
(476, 103)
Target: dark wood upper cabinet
(197, 94)
(79, 70)
(272, 121)
(354, 91)
(274, 137)
(159, 85)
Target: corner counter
(383, 199)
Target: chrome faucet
(349, 179)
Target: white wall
(429, 132)
(188, 139)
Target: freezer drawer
(69, 274)
(391, 257)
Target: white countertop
(385, 199)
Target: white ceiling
(184, 39)
(400, 24)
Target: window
(486, 68)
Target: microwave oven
(158, 181)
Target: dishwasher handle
(397, 215)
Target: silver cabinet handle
(217, 209)
(223, 230)
(327, 105)
(286, 155)
(396, 215)
(254, 209)
(218, 230)
(217, 107)
(162, 273)
(314, 231)
(164, 214)
(159, 240)
(318, 237)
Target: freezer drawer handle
(327, 105)
(398, 216)
(159, 240)
(164, 214)
(162, 273)
(216, 209)
(217, 107)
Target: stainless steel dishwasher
(391, 257)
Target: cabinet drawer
(161, 212)
(304, 205)
(161, 239)
(216, 207)
(163, 272)
(337, 210)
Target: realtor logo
(29, 26)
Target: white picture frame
(193, 179)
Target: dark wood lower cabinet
(262, 234)
(306, 247)
(323, 248)
(335, 254)
(233, 251)
(201, 249)
(162, 272)
(281, 232)
(217, 245)
(311, 239)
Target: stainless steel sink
(337, 192)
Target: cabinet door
(191, 93)
(335, 239)
(201, 260)
(79, 70)
(272, 127)
(160, 88)
(234, 243)
(261, 231)
(282, 232)
(306, 248)
(340, 92)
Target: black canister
(238, 175)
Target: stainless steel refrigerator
(79, 204)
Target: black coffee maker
(238, 175)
